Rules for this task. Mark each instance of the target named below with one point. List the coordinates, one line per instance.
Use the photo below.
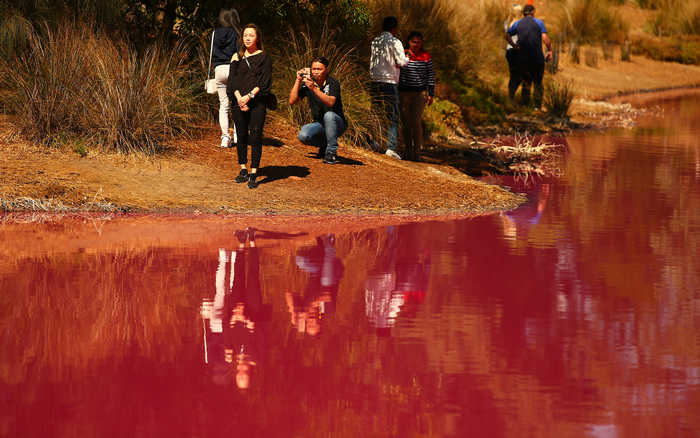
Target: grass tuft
(558, 97)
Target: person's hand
(548, 56)
(429, 100)
(243, 100)
(310, 84)
(243, 107)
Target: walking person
(224, 45)
(250, 83)
(323, 93)
(386, 57)
(416, 77)
(512, 54)
(531, 33)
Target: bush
(76, 83)
(443, 119)
(558, 97)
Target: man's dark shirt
(529, 30)
(332, 88)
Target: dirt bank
(198, 177)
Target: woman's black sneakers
(242, 176)
(252, 183)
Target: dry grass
(74, 83)
(524, 154)
(589, 21)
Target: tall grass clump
(298, 50)
(558, 97)
(73, 82)
(675, 17)
(591, 21)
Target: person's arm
(326, 99)
(294, 92)
(548, 43)
(431, 81)
(509, 35)
(400, 58)
(545, 39)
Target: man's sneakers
(330, 158)
(392, 154)
(225, 141)
(242, 176)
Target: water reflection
(576, 315)
(311, 309)
(397, 280)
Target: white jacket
(386, 59)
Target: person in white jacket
(386, 58)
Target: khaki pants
(412, 106)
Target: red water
(576, 315)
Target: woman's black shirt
(248, 73)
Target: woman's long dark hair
(258, 34)
(230, 18)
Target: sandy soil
(198, 177)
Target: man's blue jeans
(385, 97)
(324, 135)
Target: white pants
(221, 76)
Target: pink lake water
(576, 315)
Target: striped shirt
(418, 74)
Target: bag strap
(211, 52)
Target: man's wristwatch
(251, 95)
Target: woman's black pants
(249, 128)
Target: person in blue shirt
(531, 33)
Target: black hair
(322, 59)
(230, 18)
(528, 10)
(390, 23)
(415, 33)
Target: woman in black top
(250, 81)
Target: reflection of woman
(225, 44)
(242, 340)
(417, 77)
(250, 81)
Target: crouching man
(323, 94)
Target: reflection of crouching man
(323, 93)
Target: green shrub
(443, 118)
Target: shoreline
(196, 180)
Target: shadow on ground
(341, 160)
(274, 173)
